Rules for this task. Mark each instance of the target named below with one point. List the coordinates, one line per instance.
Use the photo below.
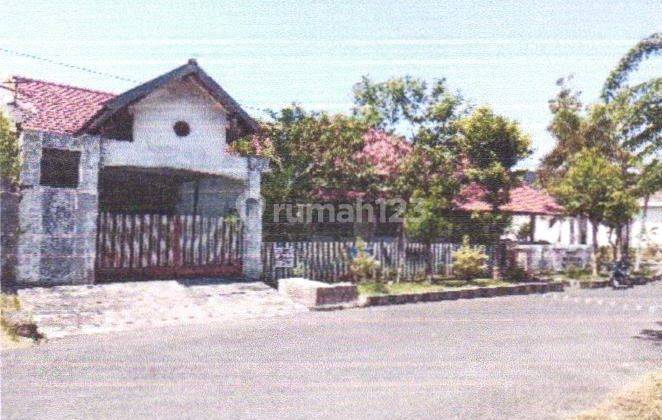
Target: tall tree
(593, 188)
(424, 112)
(429, 180)
(637, 109)
(312, 152)
(644, 49)
(576, 127)
(492, 145)
(648, 183)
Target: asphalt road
(539, 356)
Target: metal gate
(154, 246)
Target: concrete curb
(479, 292)
(636, 281)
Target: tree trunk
(618, 244)
(642, 235)
(594, 257)
(625, 242)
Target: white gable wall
(155, 144)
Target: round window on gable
(182, 129)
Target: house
(651, 222)
(139, 185)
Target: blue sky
(270, 53)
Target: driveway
(101, 308)
(536, 356)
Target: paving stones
(69, 310)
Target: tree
(312, 152)
(649, 182)
(603, 127)
(429, 180)
(592, 187)
(638, 108)
(644, 49)
(492, 145)
(575, 127)
(426, 112)
(9, 152)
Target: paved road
(539, 356)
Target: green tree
(644, 49)
(593, 188)
(312, 154)
(425, 112)
(648, 183)
(429, 181)
(638, 110)
(9, 151)
(492, 145)
(605, 128)
(574, 128)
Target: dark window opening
(182, 128)
(59, 168)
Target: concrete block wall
(9, 200)
(536, 258)
(57, 226)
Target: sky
(268, 54)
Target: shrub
(9, 151)
(469, 262)
(515, 274)
(363, 266)
(575, 272)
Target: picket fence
(329, 261)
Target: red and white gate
(154, 246)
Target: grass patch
(402, 288)
(641, 401)
(592, 279)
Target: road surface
(536, 356)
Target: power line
(71, 66)
(91, 71)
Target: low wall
(538, 257)
(317, 294)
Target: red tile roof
(524, 199)
(55, 107)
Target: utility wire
(88, 70)
(71, 66)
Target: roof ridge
(64, 85)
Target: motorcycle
(620, 275)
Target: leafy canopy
(492, 145)
(425, 111)
(593, 188)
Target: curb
(636, 281)
(479, 292)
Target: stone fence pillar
(252, 258)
